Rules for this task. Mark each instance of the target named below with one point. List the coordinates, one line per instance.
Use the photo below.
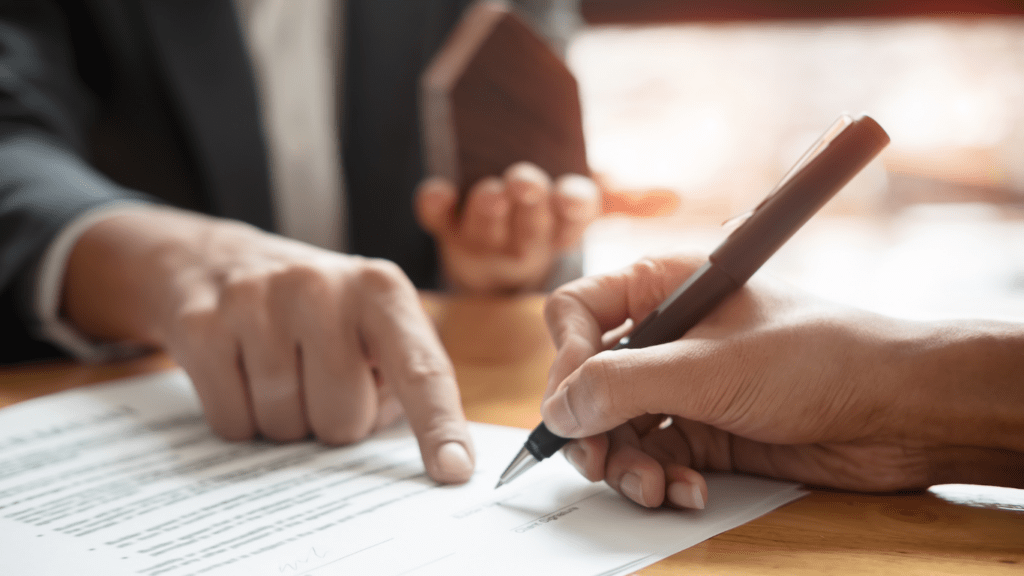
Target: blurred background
(692, 114)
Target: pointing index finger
(412, 360)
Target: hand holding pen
(779, 383)
(830, 163)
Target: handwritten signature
(311, 555)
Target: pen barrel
(784, 211)
(691, 302)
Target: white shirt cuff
(49, 287)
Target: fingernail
(454, 462)
(578, 197)
(686, 495)
(576, 456)
(439, 187)
(530, 173)
(490, 198)
(698, 498)
(578, 186)
(492, 186)
(559, 416)
(633, 488)
(531, 182)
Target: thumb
(614, 387)
(581, 313)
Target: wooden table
(502, 352)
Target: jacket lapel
(200, 49)
(387, 45)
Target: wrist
(961, 395)
(123, 271)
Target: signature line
(349, 555)
(434, 561)
(557, 511)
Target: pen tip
(522, 462)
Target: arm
(279, 338)
(44, 183)
(778, 383)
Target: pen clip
(820, 144)
(736, 221)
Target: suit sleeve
(45, 183)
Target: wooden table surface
(502, 352)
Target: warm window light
(722, 109)
(716, 113)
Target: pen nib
(521, 463)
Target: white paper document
(127, 479)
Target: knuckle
(443, 428)
(561, 313)
(601, 376)
(646, 270)
(305, 283)
(194, 319)
(383, 276)
(244, 293)
(647, 279)
(557, 303)
(567, 311)
(424, 369)
(199, 324)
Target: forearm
(45, 192)
(964, 397)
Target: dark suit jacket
(107, 99)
